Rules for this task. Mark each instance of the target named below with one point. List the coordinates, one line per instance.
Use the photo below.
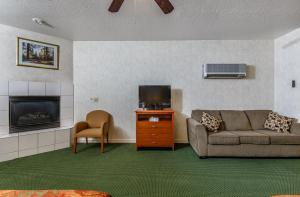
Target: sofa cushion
(295, 128)
(223, 138)
(257, 118)
(197, 114)
(276, 122)
(92, 132)
(252, 137)
(281, 138)
(210, 122)
(235, 120)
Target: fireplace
(28, 113)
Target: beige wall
(112, 71)
(9, 70)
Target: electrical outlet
(293, 83)
(94, 99)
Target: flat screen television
(155, 96)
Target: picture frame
(37, 54)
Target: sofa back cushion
(197, 115)
(235, 120)
(257, 118)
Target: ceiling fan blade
(115, 5)
(47, 24)
(165, 5)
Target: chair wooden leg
(107, 138)
(75, 145)
(101, 140)
(86, 140)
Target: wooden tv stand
(155, 134)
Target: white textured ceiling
(143, 19)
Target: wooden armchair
(95, 126)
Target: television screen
(155, 96)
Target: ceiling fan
(165, 5)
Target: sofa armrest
(295, 128)
(197, 135)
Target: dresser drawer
(155, 142)
(149, 125)
(154, 131)
(154, 135)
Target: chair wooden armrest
(105, 129)
(79, 126)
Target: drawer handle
(153, 134)
(153, 142)
(154, 126)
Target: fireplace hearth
(29, 113)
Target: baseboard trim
(126, 141)
(181, 141)
(121, 141)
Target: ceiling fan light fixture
(37, 20)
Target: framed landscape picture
(37, 54)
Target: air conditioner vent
(232, 71)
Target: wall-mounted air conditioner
(224, 71)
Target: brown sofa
(242, 134)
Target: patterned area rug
(287, 196)
(52, 193)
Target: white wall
(112, 71)
(287, 68)
(8, 68)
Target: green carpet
(123, 171)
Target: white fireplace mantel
(33, 142)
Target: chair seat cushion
(281, 138)
(92, 132)
(223, 138)
(252, 137)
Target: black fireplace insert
(28, 113)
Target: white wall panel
(52, 89)
(18, 88)
(37, 88)
(8, 145)
(66, 101)
(62, 136)
(4, 103)
(67, 89)
(28, 152)
(46, 138)
(3, 87)
(4, 119)
(8, 156)
(29, 141)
